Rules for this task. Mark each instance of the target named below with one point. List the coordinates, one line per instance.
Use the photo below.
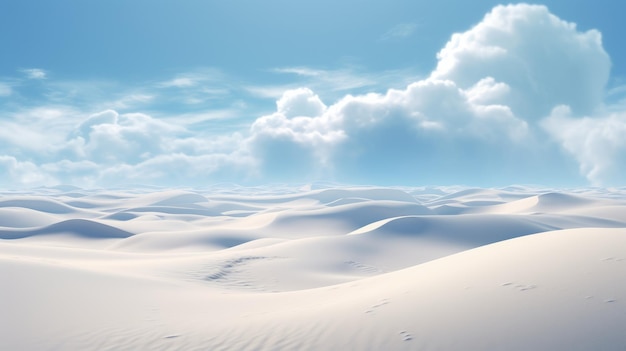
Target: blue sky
(191, 93)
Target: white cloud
(198, 145)
(83, 173)
(22, 173)
(112, 138)
(544, 60)
(37, 131)
(35, 73)
(180, 82)
(599, 144)
(304, 134)
(479, 116)
(268, 91)
(16, 137)
(194, 78)
(301, 71)
(300, 102)
(105, 117)
(473, 116)
(109, 148)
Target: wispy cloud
(5, 89)
(179, 82)
(131, 100)
(197, 87)
(301, 71)
(402, 30)
(332, 80)
(35, 73)
(269, 91)
(617, 94)
(194, 78)
(333, 83)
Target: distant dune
(333, 268)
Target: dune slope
(332, 268)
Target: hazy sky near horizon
(398, 92)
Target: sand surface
(318, 267)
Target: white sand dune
(23, 217)
(316, 267)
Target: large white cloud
(485, 114)
(108, 137)
(137, 148)
(544, 60)
(402, 130)
(14, 172)
(475, 117)
(109, 148)
(296, 139)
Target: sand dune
(314, 267)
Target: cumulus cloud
(477, 114)
(109, 137)
(401, 129)
(544, 60)
(296, 138)
(108, 117)
(597, 143)
(109, 148)
(300, 102)
(22, 173)
(505, 98)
